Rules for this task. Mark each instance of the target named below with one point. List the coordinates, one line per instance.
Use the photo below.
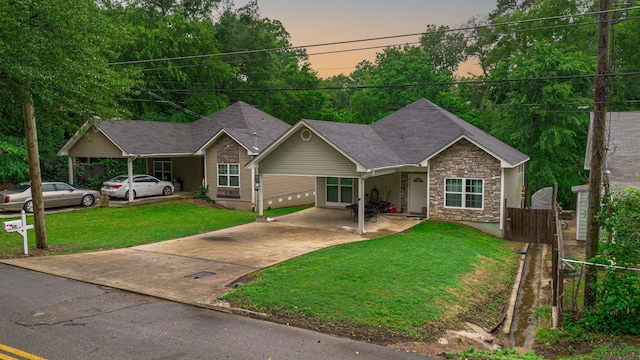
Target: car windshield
(119, 178)
(19, 187)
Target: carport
(305, 150)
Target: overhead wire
(408, 85)
(437, 31)
(518, 22)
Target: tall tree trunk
(34, 170)
(598, 151)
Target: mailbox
(21, 227)
(11, 226)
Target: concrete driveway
(199, 269)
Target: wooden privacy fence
(529, 225)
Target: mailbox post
(21, 227)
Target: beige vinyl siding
(190, 169)
(314, 157)
(245, 177)
(321, 192)
(211, 157)
(513, 186)
(99, 146)
(581, 215)
(385, 184)
(283, 191)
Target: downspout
(428, 214)
(260, 196)
(253, 189)
(205, 180)
(502, 198)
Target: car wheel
(166, 191)
(28, 206)
(126, 195)
(88, 200)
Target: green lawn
(405, 285)
(117, 227)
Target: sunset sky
(312, 22)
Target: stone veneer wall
(228, 152)
(465, 160)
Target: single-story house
(211, 151)
(621, 164)
(422, 159)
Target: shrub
(617, 306)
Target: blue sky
(324, 21)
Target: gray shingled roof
(421, 129)
(251, 127)
(149, 137)
(361, 142)
(409, 136)
(623, 144)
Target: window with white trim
(229, 175)
(339, 190)
(162, 170)
(464, 193)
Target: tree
(400, 76)
(172, 33)
(57, 67)
(533, 110)
(445, 47)
(617, 305)
(625, 35)
(512, 28)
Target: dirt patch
(204, 203)
(51, 250)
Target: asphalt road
(56, 318)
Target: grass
(117, 227)
(402, 284)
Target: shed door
(417, 193)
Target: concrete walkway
(181, 270)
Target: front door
(417, 193)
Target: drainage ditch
(524, 323)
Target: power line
(518, 22)
(289, 55)
(361, 87)
(579, 106)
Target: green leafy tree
(56, 69)
(625, 58)
(264, 62)
(617, 307)
(531, 107)
(446, 48)
(510, 28)
(399, 77)
(169, 30)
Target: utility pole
(34, 170)
(598, 150)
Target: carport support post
(260, 197)
(361, 230)
(130, 174)
(70, 161)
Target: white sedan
(143, 185)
